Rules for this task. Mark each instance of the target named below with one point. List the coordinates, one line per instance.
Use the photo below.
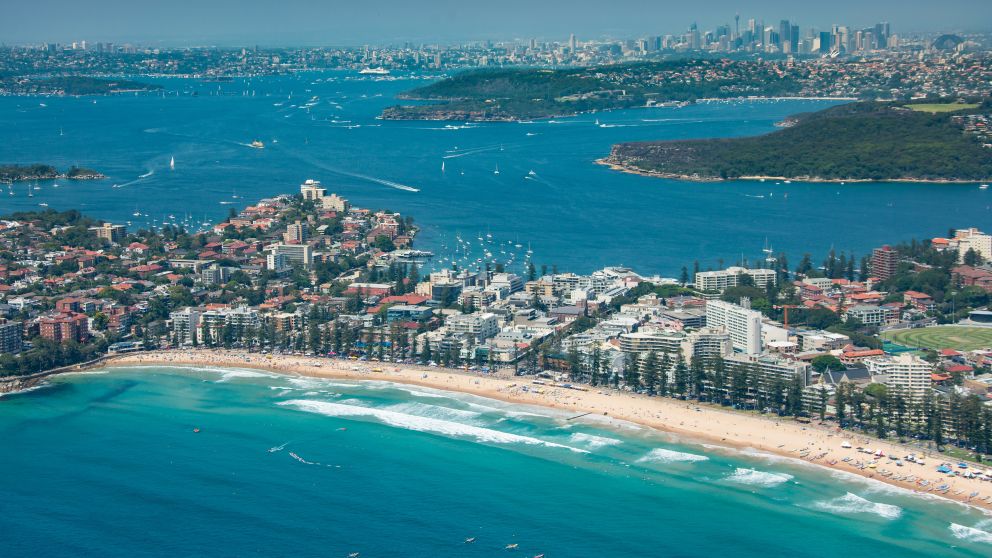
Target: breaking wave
(661, 455)
(433, 411)
(754, 477)
(230, 374)
(593, 442)
(420, 423)
(852, 503)
(970, 534)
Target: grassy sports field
(962, 338)
(941, 107)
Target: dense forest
(859, 141)
(523, 93)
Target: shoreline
(627, 169)
(696, 422)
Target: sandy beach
(820, 445)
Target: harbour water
(575, 215)
(109, 464)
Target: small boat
(511, 546)
(354, 555)
(497, 169)
(196, 430)
(43, 204)
(257, 144)
(172, 163)
(470, 540)
(442, 166)
(983, 187)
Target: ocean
(548, 196)
(108, 464)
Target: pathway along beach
(818, 444)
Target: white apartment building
(659, 340)
(742, 323)
(276, 262)
(973, 239)
(868, 314)
(301, 254)
(731, 277)
(480, 326)
(312, 190)
(905, 372)
(185, 323)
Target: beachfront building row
(193, 325)
(905, 372)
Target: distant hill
(858, 141)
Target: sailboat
(442, 166)
(172, 163)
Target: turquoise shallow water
(573, 213)
(108, 464)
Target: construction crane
(785, 309)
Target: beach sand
(813, 443)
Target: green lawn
(940, 107)
(943, 337)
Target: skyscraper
(785, 35)
(825, 42)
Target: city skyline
(305, 23)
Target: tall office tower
(737, 26)
(785, 35)
(571, 43)
(825, 42)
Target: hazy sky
(334, 22)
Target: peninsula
(17, 173)
(868, 141)
(72, 86)
(527, 93)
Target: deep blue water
(108, 465)
(574, 214)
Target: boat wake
(301, 460)
(420, 423)
(662, 455)
(147, 174)
(754, 477)
(329, 168)
(279, 448)
(852, 503)
(970, 534)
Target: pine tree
(650, 376)
(631, 375)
